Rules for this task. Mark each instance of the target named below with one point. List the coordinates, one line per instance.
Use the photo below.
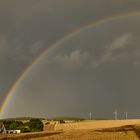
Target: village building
(4, 130)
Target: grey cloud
(3, 42)
(17, 51)
(78, 58)
(75, 59)
(28, 27)
(36, 47)
(136, 63)
(120, 42)
(117, 44)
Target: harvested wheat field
(97, 130)
(96, 124)
(92, 135)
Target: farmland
(92, 135)
(97, 130)
(85, 130)
(96, 124)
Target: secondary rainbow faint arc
(59, 42)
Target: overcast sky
(95, 70)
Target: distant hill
(22, 118)
(66, 118)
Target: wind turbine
(116, 114)
(90, 115)
(126, 115)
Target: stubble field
(85, 130)
(97, 130)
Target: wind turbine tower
(116, 114)
(126, 115)
(90, 115)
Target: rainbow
(66, 37)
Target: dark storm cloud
(72, 81)
(78, 59)
(30, 26)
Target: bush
(25, 129)
(61, 121)
(35, 125)
(12, 124)
(19, 125)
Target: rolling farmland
(86, 130)
(96, 130)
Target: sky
(95, 68)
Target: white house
(4, 130)
(13, 131)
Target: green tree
(35, 125)
(61, 121)
(12, 124)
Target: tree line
(32, 125)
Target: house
(4, 130)
(13, 131)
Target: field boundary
(28, 135)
